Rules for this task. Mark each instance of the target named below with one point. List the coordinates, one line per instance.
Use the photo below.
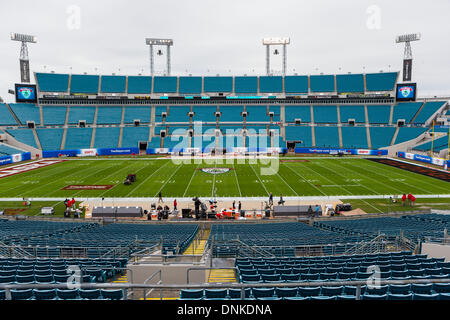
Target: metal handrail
(159, 282)
(242, 286)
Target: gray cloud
(223, 35)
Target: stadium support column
(152, 62)
(284, 59)
(168, 60)
(24, 59)
(407, 58)
(268, 60)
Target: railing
(159, 282)
(242, 286)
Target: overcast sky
(225, 37)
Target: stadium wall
(15, 158)
(426, 159)
(365, 152)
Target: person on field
(239, 207)
(281, 202)
(271, 199)
(160, 197)
(404, 200)
(409, 198)
(175, 204)
(413, 200)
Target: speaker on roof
(401, 123)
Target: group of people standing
(410, 198)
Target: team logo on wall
(26, 92)
(406, 91)
(215, 170)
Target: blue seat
(328, 276)
(61, 279)
(297, 298)
(347, 276)
(374, 297)
(332, 291)
(286, 292)
(398, 267)
(421, 288)
(416, 272)
(250, 278)
(351, 290)
(7, 279)
(263, 292)
(444, 296)
(26, 294)
(284, 271)
(215, 293)
(310, 276)
(266, 271)
(398, 274)
(377, 290)
(393, 296)
(60, 272)
(44, 279)
(2, 295)
(433, 272)
(90, 294)
(346, 297)
(294, 277)
(112, 294)
(441, 287)
(98, 274)
(67, 294)
(7, 273)
(308, 291)
(414, 266)
(399, 288)
(323, 298)
(363, 275)
(248, 272)
(191, 294)
(418, 296)
(25, 279)
(236, 293)
(44, 294)
(25, 272)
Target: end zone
(21, 168)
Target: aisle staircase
(198, 245)
(222, 276)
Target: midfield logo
(215, 170)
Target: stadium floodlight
(159, 42)
(276, 41)
(24, 59)
(407, 59)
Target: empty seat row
(64, 294)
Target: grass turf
(314, 177)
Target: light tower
(159, 42)
(276, 42)
(407, 59)
(24, 60)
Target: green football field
(294, 178)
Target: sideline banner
(426, 159)
(342, 151)
(15, 158)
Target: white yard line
(287, 184)
(298, 174)
(237, 180)
(190, 181)
(132, 190)
(179, 166)
(259, 179)
(359, 174)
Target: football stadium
(277, 186)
